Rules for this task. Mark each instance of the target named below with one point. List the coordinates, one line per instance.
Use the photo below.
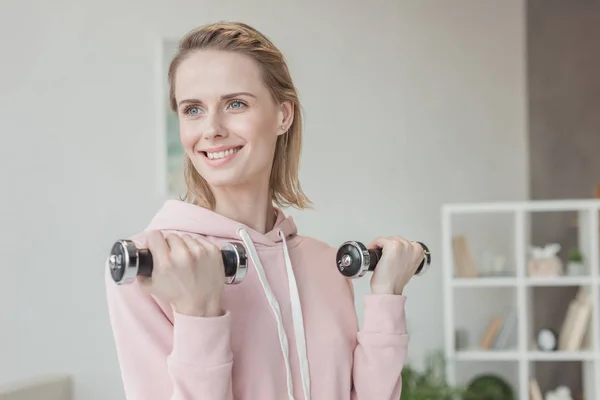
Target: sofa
(53, 387)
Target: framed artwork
(172, 183)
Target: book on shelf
(576, 322)
(463, 258)
(535, 392)
(489, 336)
(499, 330)
(507, 328)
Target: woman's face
(228, 120)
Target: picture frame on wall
(170, 154)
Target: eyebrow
(224, 97)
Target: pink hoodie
(290, 330)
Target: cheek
(259, 130)
(188, 135)
(248, 126)
(255, 132)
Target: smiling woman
(227, 101)
(290, 329)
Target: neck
(249, 204)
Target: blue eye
(237, 104)
(192, 111)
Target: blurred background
(470, 125)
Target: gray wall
(563, 42)
(429, 92)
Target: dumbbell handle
(126, 262)
(354, 260)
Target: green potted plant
(575, 266)
(430, 383)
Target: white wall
(409, 105)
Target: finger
(419, 249)
(157, 244)
(193, 245)
(176, 242)
(380, 242)
(207, 244)
(400, 239)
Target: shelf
(511, 281)
(561, 356)
(494, 240)
(560, 281)
(527, 206)
(513, 355)
(484, 282)
(486, 355)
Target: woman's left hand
(399, 261)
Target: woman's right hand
(188, 273)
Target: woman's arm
(159, 360)
(381, 351)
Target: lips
(220, 153)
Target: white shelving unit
(510, 228)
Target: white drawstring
(298, 321)
(296, 314)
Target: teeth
(221, 154)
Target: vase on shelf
(544, 261)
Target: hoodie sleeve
(381, 351)
(187, 359)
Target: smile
(216, 155)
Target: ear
(286, 116)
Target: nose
(214, 126)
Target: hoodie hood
(181, 216)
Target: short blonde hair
(284, 183)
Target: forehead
(209, 73)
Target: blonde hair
(238, 37)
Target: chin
(229, 170)
(223, 181)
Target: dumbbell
(126, 262)
(354, 260)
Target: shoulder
(316, 254)
(311, 244)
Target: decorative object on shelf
(547, 340)
(494, 264)
(461, 338)
(490, 387)
(544, 261)
(560, 393)
(575, 265)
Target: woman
(289, 330)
